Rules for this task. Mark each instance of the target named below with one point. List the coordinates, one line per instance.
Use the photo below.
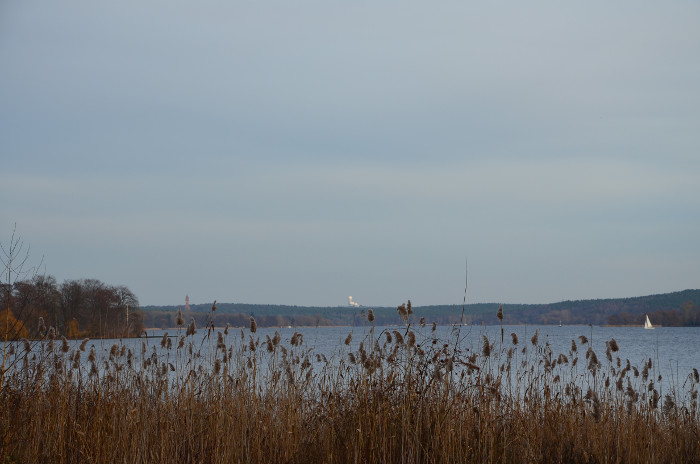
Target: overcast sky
(301, 152)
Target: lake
(673, 350)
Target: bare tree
(15, 258)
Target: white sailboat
(647, 323)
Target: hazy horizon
(370, 306)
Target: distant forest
(669, 309)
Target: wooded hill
(668, 309)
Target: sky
(301, 152)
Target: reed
(400, 395)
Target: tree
(47, 298)
(13, 329)
(100, 310)
(15, 257)
(127, 305)
(71, 292)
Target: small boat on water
(647, 323)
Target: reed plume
(191, 329)
(403, 313)
(486, 347)
(411, 338)
(428, 399)
(613, 345)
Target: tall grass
(400, 395)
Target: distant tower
(187, 302)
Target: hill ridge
(627, 310)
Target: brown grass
(229, 399)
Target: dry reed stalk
(406, 408)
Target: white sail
(647, 323)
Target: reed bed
(399, 395)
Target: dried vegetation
(393, 396)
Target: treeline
(671, 307)
(238, 315)
(688, 315)
(74, 308)
(167, 318)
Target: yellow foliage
(72, 330)
(11, 327)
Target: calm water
(675, 351)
